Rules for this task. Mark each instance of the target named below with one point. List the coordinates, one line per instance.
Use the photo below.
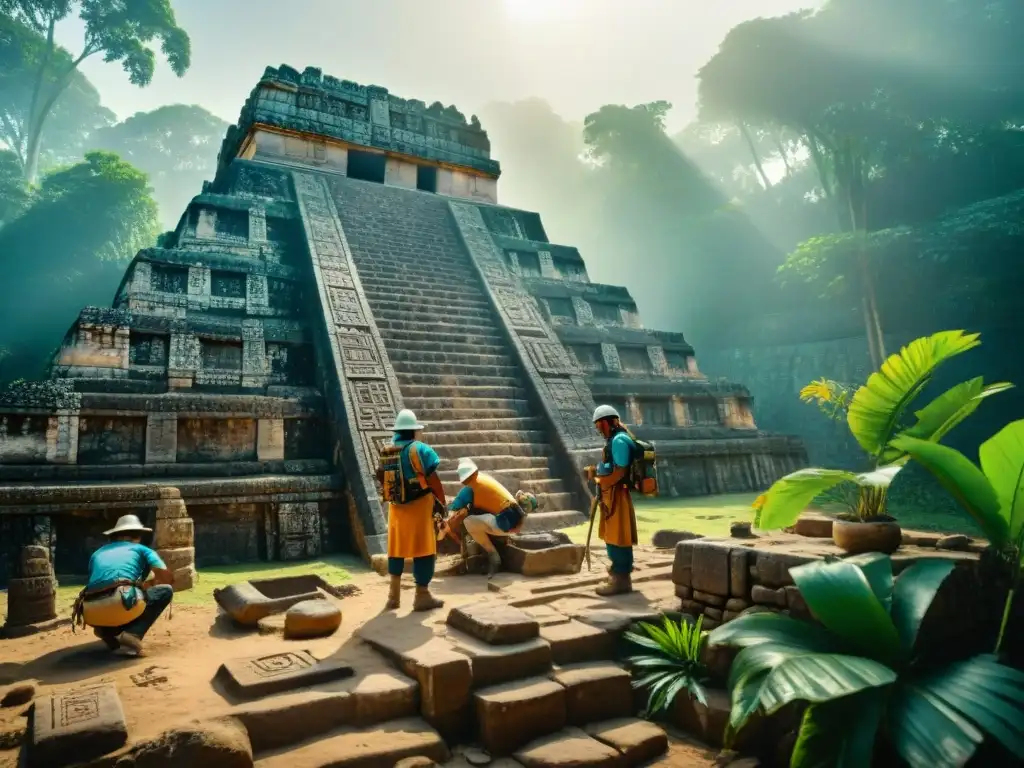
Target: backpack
(642, 474)
(395, 487)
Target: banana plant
(860, 676)
(993, 494)
(875, 416)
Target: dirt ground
(173, 682)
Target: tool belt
(113, 605)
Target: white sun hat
(406, 420)
(605, 412)
(128, 524)
(467, 468)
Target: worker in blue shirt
(120, 601)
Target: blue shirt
(462, 499)
(622, 450)
(121, 560)
(429, 459)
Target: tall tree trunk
(784, 155)
(753, 152)
(35, 136)
(31, 159)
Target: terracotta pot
(855, 537)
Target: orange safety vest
(489, 495)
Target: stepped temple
(349, 259)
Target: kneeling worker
(618, 517)
(119, 602)
(489, 509)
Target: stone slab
(494, 664)
(710, 567)
(494, 622)
(546, 616)
(569, 748)
(595, 691)
(376, 747)
(257, 676)
(246, 604)
(77, 726)
(638, 741)
(311, 618)
(514, 714)
(576, 641)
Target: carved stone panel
(584, 312)
(298, 531)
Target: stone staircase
(449, 352)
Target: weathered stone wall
(111, 440)
(206, 440)
(23, 438)
(229, 533)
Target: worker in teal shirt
(122, 566)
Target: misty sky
(577, 54)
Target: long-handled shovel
(590, 530)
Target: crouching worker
(409, 483)
(618, 517)
(120, 602)
(489, 509)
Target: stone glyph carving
(369, 394)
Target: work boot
(394, 594)
(130, 642)
(424, 601)
(617, 584)
(109, 640)
(493, 564)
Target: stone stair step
(462, 391)
(595, 691)
(496, 664)
(573, 641)
(444, 380)
(508, 449)
(438, 325)
(443, 279)
(389, 296)
(446, 359)
(546, 519)
(569, 747)
(438, 309)
(503, 475)
(550, 493)
(409, 367)
(444, 347)
(435, 415)
(382, 745)
(491, 464)
(491, 430)
(511, 715)
(414, 292)
(391, 260)
(470, 403)
(409, 337)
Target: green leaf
(946, 411)
(1000, 717)
(746, 698)
(758, 628)
(914, 591)
(964, 481)
(760, 658)
(840, 733)
(782, 504)
(876, 407)
(841, 598)
(821, 677)
(644, 642)
(1002, 460)
(877, 569)
(927, 732)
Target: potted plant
(876, 414)
(866, 688)
(993, 495)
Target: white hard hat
(128, 524)
(605, 412)
(467, 468)
(405, 421)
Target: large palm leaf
(877, 407)
(1002, 461)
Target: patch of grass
(334, 570)
(706, 515)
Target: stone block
(34, 552)
(249, 601)
(739, 572)
(280, 721)
(513, 714)
(795, 602)
(494, 664)
(736, 604)
(772, 568)
(682, 566)
(219, 744)
(36, 567)
(668, 539)
(707, 723)
(576, 641)
(546, 616)
(684, 593)
(77, 726)
(765, 596)
(740, 530)
(570, 747)
(184, 578)
(595, 691)
(181, 557)
(920, 538)
(606, 619)
(692, 607)
(311, 618)
(494, 622)
(174, 533)
(541, 554)
(956, 543)
(715, 614)
(710, 567)
(254, 677)
(813, 526)
(707, 597)
(638, 741)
